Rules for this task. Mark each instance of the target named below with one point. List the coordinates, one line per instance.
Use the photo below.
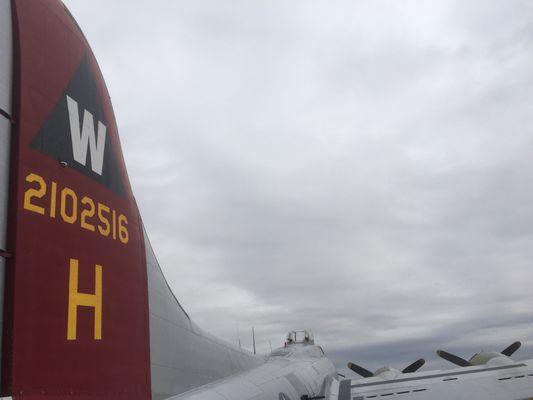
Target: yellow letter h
(76, 299)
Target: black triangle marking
(54, 136)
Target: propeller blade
(414, 366)
(360, 370)
(453, 358)
(509, 350)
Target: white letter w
(87, 139)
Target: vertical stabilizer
(76, 319)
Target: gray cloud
(358, 168)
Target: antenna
(253, 337)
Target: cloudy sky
(359, 168)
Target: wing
(511, 381)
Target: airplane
(87, 312)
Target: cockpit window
(304, 336)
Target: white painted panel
(5, 141)
(4, 185)
(5, 104)
(6, 55)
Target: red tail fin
(76, 311)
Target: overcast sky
(361, 168)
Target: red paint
(38, 360)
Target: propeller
(478, 358)
(509, 350)
(367, 374)
(453, 358)
(360, 370)
(414, 366)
